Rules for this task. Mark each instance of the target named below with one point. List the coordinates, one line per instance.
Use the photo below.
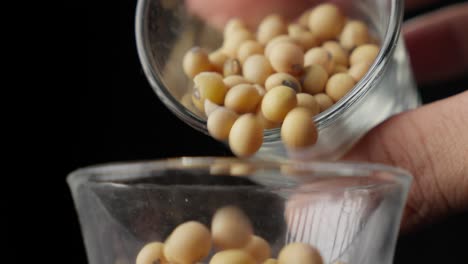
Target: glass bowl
(165, 30)
(350, 212)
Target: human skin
(431, 141)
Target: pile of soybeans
(233, 240)
(279, 76)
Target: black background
(107, 111)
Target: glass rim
(129, 170)
(322, 120)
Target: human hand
(432, 141)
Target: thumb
(432, 143)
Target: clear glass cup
(165, 31)
(351, 212)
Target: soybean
(282, 78)
(277, 102)
(249, 48)
(245, 138)
(220, 122)
(326, 21)
(364, 53)
(188, 243)
(232, 256)
(324, 101)
(196, 60)
(287, 57)
(339, 55)
(321, 57)
(358, 70)
(355, 33)
(270, 27)
(339, 85)
(257, 68)
(308, 101)
(217, 59)
(298, 129)
(299, 253)
(258, 248)
(315, 79)
(230, 227)
(151, 253)
(242, 98)
(210, 86)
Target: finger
(438, 44)
(432, 143)
(217, 12)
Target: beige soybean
(299, 253)
(287, 57)
(314, 79)
(302, 36)
(270, 27)
(282, 78)
(234, 40)
(319, 56)
(256, 69)
(220, 122)
(304, 18)
(151, 253)
(258, 248)
(324, 101)
(308, 101)
(240, 169)
(339, 55)
(217, 59)
(249, 48)
(326, 21)
(233, 25)
(339, 85)
(364, 53)
(296, 29)
(245, 139)
(355, 33)
(232, 67)
(276, 40)
(230, 227)
(210, 86)
(210, 107)
(358, 70)
(219, 169)
(339, 69)
(196, 60)
(306, 40)
(232, 256)
(298, 129)
(234, 80)
(270, 261)
(188, 243)
(242, 98)
(277, 102)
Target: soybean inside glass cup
(350, 212)
(165, 30)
